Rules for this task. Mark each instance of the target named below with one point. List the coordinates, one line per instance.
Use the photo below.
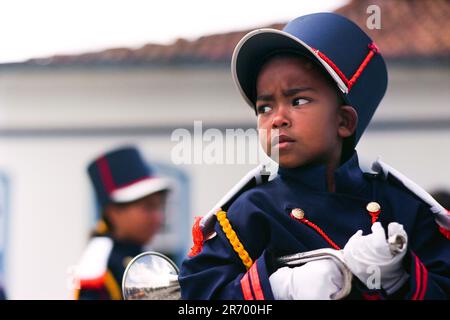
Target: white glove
(369, 256)
(315, 280)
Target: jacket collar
(348, 177)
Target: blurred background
(80, 77)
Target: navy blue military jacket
(261, 218)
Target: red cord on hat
(333, 66)
(349, 83)
(373, 50)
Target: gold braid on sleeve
(233, 238)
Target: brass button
(298, 213)
(373, 207)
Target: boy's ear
(348, 120)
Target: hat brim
(257, 45)
(140, 189)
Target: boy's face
(296, 103)
(140, 220)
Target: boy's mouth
(282, 141)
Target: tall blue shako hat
(344, 51)
(122, 176)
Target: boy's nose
(281, 119)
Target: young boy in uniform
(315, 86)
(132, 202)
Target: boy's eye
(299, 101)
(263, 109)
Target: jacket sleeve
(217, 271)
(428, 260)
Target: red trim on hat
(246, 290)
(373, 50)
(349, 83)
(106, 175)
(256, 285)
(333, 66)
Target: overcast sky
(38, 28)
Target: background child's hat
(345, 51)
(121, 176)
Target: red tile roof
(410, 29)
